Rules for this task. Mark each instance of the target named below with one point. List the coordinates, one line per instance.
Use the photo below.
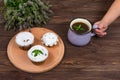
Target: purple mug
(80, 39)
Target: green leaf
(82, 29)
(79, 27)
(37, 52)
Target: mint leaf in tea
(80, 27)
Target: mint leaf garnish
(36, 52)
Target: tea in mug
(80, 28)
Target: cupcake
(37, 53)
(24, 40)
(50, 39)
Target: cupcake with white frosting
(50, 39)
(24, 40)
(37, 53)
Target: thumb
(99, 25)
(96, 23)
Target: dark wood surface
(99, 60)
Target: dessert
(24, 40)
(50, 39)
(37, 53)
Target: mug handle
(94, 27)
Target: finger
(102, 34)
(100, 26)
(101, 29)
(98, 31)
(97, 23)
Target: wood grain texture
(99, 60)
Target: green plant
(78, 27)
(22, 14)
(36, 52)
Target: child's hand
(102, 27)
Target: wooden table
(99, 60)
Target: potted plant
(23, 14)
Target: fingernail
(105, 33)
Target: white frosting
(24, 39)
(50, 39)
(40, 57)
